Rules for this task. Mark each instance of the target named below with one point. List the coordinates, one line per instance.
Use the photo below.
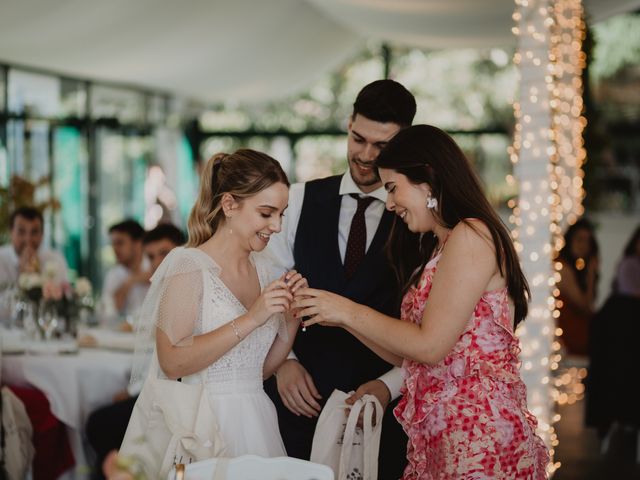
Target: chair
(252, 467)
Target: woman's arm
(178, 359)
(465, 271)
(281, 348)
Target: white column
(531, 153)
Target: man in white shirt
(334, 233)
(126, 283)
(106, 426)
(25, 254)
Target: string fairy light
(547, 155)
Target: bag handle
(347, 438)
(370, 438)
(372, 434)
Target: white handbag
(16, 451)
(171, 423)
(338, 442)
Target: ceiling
(240, 50)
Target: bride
(218, 319)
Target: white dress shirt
(280, 247)
(113, 279)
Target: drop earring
(228, 216)
(431, 203)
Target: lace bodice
(240, 369)
(188, 298)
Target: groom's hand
(297, 390)
(378, 389)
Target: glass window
(122, 162)
(33, 93)
(125, 105)
(73, 98)
(320, 156)
(2, 87)
(70, 186)
(156, 109)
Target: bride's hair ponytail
(241, 174)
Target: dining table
(76, 377)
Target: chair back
(252, 467)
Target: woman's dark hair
(426, 154)
(567, 256)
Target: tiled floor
(579, 450)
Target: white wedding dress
(246, 417)
(190, 292)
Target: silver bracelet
(235, 329)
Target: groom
(334, 234)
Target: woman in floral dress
(464, 406)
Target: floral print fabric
(466, 417)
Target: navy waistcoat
(333, 357)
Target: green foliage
(617, 45)
(21, 193)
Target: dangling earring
(431, 202)
(228, 216)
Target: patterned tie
(357, 241)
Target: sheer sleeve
(179, 306)
(173, 304)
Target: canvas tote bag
(171, 422)
(16, 449)
(338, 442)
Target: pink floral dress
(466, 417)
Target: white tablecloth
(75, 384)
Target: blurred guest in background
(127, 282)
(25, 254)
(579, 277)
(106, 426)
(627, 278)
(613, 349)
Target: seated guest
(25, 254)
(106, 426)
(127, 282)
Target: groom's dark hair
(385, 101)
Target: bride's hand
(295, 281)
(323, 307)
(276, 298)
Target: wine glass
(48, 320)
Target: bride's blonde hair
(241, 174)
